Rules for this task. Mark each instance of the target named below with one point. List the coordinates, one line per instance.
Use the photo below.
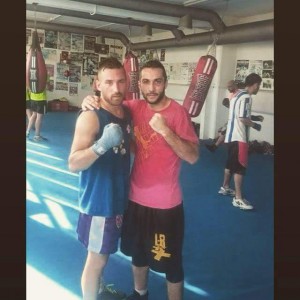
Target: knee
(96, 262)
(33, 116)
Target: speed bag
(200, 84)
(36, 71)
(131, 66)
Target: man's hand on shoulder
(90, 102)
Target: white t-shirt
(240, 107)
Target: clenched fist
(158, 124)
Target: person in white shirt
(237, 137)
(233, 87)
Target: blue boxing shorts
(99, 234)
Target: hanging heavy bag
(36, 71)
(131, 66)
(200, 84)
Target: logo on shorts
(160, 247)
(119, 220)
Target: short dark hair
(252, 79)
(110, 63)
(155, 64)
(240, 85)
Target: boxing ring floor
(228, 253)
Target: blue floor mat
(228, 253)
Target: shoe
(27, 134)
(226, 191)
(136, 296)
(242, 204)
(211, 148)
(109, 293)
(39, 138)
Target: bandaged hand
(257, 126)
(257, 118)
(112, 136)
(260, 118)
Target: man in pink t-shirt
(154, 176)
(153, 224)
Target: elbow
(246, 121)
(72, 166)
(193, 158)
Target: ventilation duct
(102, 18)
(164, 9)
(244, 33)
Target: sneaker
(226, 191)
(110, 293)
(136, 296)
(241, 203)
(211, 148)
(27, 134)
(39, 138)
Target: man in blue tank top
(100, 153)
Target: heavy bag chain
(129, 38)
(213, 47)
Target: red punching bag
(131, 66)
(36, 71)
(200, 84)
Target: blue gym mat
(228, 253)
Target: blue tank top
(104, 186)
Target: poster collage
(177, 73)
(71, 59)
(264, 68)
(182, 73)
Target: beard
(115, 99)
(159, 98)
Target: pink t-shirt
(156, 167)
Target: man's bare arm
(248, 122)
(81, 155)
